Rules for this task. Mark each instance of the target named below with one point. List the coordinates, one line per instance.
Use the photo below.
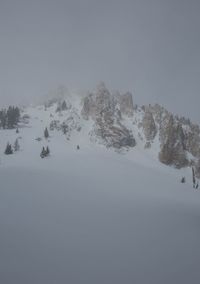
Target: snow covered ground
(93, 215)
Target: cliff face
(126, 104)
(116, 122)
(106, 111)
(149, 125)
(178, 138)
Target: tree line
(9, 117)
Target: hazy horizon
(150, 48)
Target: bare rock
(149, 125)
(102, 107)
(173, 150)
(126, 104)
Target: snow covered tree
(8, 150)
(47, 151)
(16, 145)
(13, 115)
(43, 153)
(9, 118)
(46, 133)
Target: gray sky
(149, 47)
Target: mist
(150, 48)
(96, 190)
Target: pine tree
(193, 178)
(8, 150)
(43, 153)
(64, 127)
(9, 118)
(16, 145)
(13, 115)
(17, 130)
(183, 180)
(46, 133)
(3, 118)
(47, 151)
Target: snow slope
(93, 215)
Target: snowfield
(92, 215)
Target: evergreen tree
(183, 180)
(8, 150)
(3, 118)
(64, 127)
(9, 118)
(43, 153)
(46, 133)
(13, 115)
(77, 147)
(16, 145)
(17, 130)
(193, 178)
(47, 151)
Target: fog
(148, 47)
(96, 217)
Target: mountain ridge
(119, 123)
(116, 122)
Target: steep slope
(99, 214)
(91, 216)
(111, 120)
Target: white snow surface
(93, 215)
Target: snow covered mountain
(113, 121)
(109, 211)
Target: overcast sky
(148, 47)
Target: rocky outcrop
(103, 108)
(173, 151)
(118, 123)
(87, 107)
(96, 103)
(192, 143)
(149, 125)
(173, 155)
(126, 104)
(178, 137)
(115, 135)
(67, 124)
